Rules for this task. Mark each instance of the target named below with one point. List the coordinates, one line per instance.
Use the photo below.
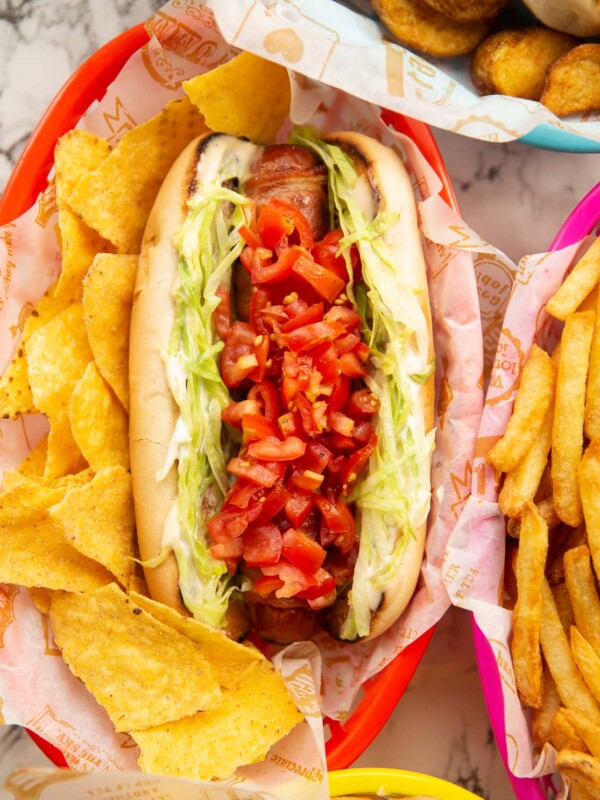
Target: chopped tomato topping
(308, 419)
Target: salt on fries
(556, 524)
(198, 704)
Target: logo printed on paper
(485, 119)
(118, 122)
(7, 609)
(311, 774)
(504, 663)
(419, 69)
(80, 754)
(50, 648)
(394, 69)
(29, 784)
(47, 206)
(507, 368)
(301, 685)
(24, 313)
(462, 488)
(158, 65)
(285, 41)
(446, 395)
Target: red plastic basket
(380, 694)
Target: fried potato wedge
(515, 62)
(573, 82)
(423, 28)
(468, 10)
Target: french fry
(555, 646)
(589, 488)
(563, 733)
(546, 511)
(582, 591)
(587, 661)
(592, 395)
(541, 718)
(525, 649)
(583, 764)
(562, 539)
(590, 302)
(567, 429)
(521, 483)
(577, 285)
(563, 605)
(589, 732)
(531, 403)
(580, 787)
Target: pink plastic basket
(583, 220)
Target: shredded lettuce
(208, 244)
(392, 499)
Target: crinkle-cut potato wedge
(515, 62)
(573, 82)
(423, 28)
(468, 10)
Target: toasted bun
(154, 412)
(577, 17)
(391, 183)
(153, 409)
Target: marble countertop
(516, 197)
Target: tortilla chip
(41, 598)
(98, 422)
(57, 355)
(212, 744)
(229, 660)
(35, 463)
(116, 198)
(228, 98)
(107, 301)
(15, 392)
(25, 498)
(142, 672)
(64, 456)
(98, 520)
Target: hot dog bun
(154, 412)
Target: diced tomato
(241, 493)
(313, 313)
(296, 307)
(362, 404)
(325, 253)
(262, 545)
(341, 565)
(256, 258)
(298, 507)
(309, 336)
(349, 318)
(295, 579)
(222, 313)
(340, 394)
(324, 600)
(274, 502)
(346, 343)
(263, 474)
(256, 427)
(324, 359)
(314, 415)
(323, 280)
(351, 366)
(266, 585)
(316, 458)
(273, 449)
(324, 586)
(238, 358)
(224, 551)
(341, 423)
(363, 431)
(279, 270)
(363, 352)
(229, 523)
(252, 239)
(266, 393)
(357, 461)
(272, 225)
(290, 424)
(343, 444)
(302, 551)
(301, 224)
(308, 480)
(233, 413)
(339, 521)
(258, 303)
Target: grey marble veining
(514, 196)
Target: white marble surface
(514, 196)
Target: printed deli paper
(474, 565)
(185, 40)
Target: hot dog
(281, 375)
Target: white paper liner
(151, 77)
(474, 564)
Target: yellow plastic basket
(394, 782)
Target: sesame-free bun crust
(153, 409)
(389, 178)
